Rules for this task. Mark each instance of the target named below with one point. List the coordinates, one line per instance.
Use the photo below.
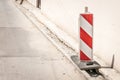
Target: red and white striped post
(86, 36)
(86, 61)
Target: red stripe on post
(85, 37)
(88, 17)
(83, 56)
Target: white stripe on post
(86, 49)
(86, 26)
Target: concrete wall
(65, 13)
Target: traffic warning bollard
(86, 36)
(85, 61)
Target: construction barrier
(86, 36)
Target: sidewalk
(25, 53)
(51, 32)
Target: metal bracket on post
(86, 9)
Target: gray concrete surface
(25, 54)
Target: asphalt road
(25, 54)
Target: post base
(85, 65)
